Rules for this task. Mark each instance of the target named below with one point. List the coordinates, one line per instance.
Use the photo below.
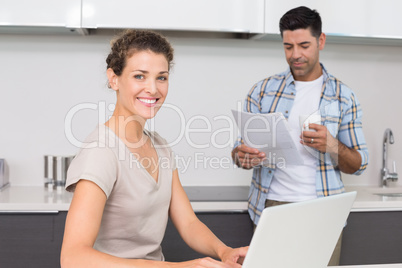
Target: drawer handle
(29, 212)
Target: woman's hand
(234, 255)
(203, 263)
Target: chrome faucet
(385, 175)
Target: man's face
(302, 53)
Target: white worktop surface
(33, 198)
(368, 199)
(395, 265)
(37, 198)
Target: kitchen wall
(53, 93)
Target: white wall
(43, 78)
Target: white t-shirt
(297, 183)
(136, 211)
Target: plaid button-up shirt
(340, 113)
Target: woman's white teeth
(148, 100)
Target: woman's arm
(194, 232)
(82, 226)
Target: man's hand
(320, 139)
(348, 160)
(247, 157)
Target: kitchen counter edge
(37, 198)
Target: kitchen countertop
(203, 199)
(394, 265)
(33, 198)
(368, 198)
(39, 199)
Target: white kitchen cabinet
(204, 15)
(357, 18)
(61, 13)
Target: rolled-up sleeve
(351, 130)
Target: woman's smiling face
(143, 85)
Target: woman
(124, 179)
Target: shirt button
(286, 112)
(292, 93)
(270, 172)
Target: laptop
(299, 235)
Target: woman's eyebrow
(146, 72)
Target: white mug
(305, 120)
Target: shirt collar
(290, 79)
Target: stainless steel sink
(394, 193)
(389, 194)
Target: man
(336, 145)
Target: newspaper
(269, 133)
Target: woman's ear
(113, 79)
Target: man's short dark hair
(301, 18)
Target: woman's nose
(151, 87)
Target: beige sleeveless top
(136, 211)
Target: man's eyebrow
(302, 43)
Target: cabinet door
(234, 229)
(61, 13)
(31, 240)
(372, 238)
(204, 15)
(358, 18)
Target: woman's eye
(138, 76)
(162, 78)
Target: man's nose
(296, 53)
